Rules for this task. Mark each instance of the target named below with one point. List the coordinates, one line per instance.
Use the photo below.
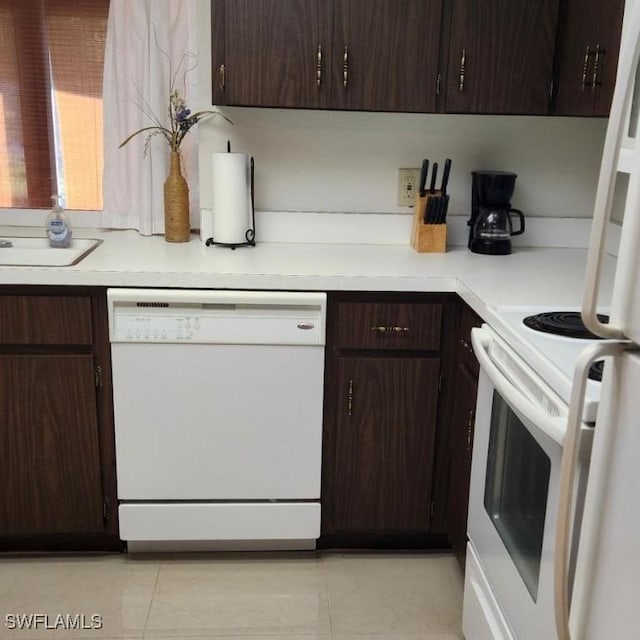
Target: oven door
(520, 427)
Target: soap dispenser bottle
(58, 225)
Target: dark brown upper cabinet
(368, 55)
(385, 54)
(500, 56)
(454, 56)
(586, 57)
(271, 53)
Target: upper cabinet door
(271, 53)
(501, 56)
(385, 54)
(587, 56)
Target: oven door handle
(554, 427)
(568, 464)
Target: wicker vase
(176, 203)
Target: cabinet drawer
(370, 325)
(36, 319)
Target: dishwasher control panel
(216, 317)
(156, 328)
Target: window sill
(36, 218)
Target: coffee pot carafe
(491, 225)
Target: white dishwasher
(218, 417)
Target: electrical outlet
(408, 180)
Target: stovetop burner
(562, 323)
(552, 357)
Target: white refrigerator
(603, 599)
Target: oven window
(516, 489)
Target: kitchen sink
(35, 252)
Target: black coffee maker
(490, 225)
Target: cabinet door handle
(585, 69)
(463, 62)
(350, 398)
(470, 430)
(596, 67)
(345, 67)
(221, 77)
(97, 376)
(319, 66)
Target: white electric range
(524, 392)
(551, 356)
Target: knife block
(427, 238)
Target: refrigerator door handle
(568, 464)
(620, 108)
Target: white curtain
(137, 79)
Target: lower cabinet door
(381, 445)
(461, 444)
(49, 448)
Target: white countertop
(529, 276)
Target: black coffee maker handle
(520, 231)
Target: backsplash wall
(348, 161)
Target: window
(51, 65)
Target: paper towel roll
(231, 183)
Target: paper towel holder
(250, 234)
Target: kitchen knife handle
(424, 170)
(319, 66)
(222, 77)
(585, 69)
(463, 62)
(345, 67)
(434, 176)
(445, 176)
(350, 398)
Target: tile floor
(297, 596)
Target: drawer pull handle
(306, 326)
(350, 398)
(389, 329)
(400, 329)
